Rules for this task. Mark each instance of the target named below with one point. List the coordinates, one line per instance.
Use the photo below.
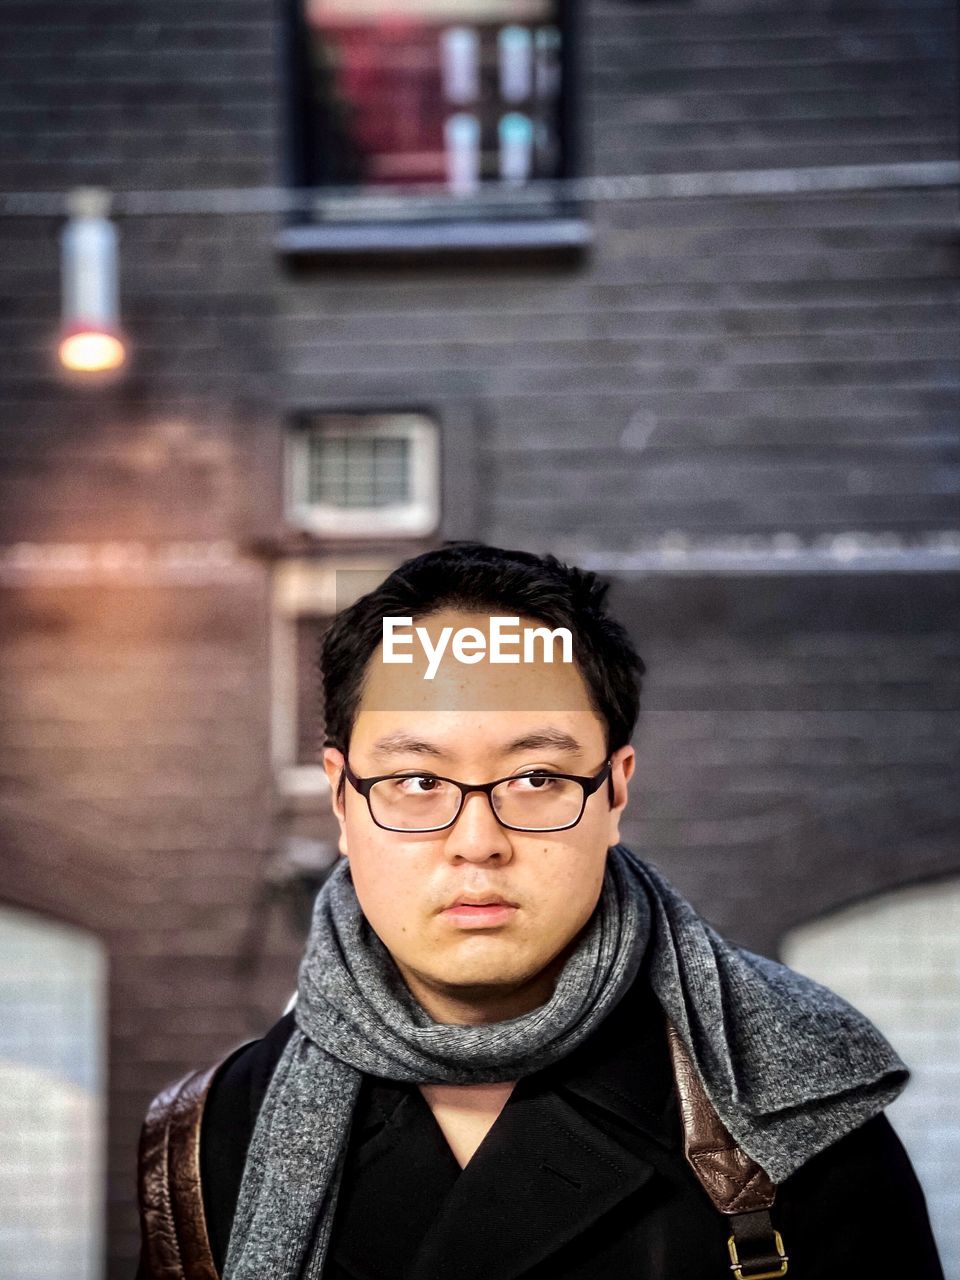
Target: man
(516, 1052)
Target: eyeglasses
(534, 801)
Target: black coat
(582, 1177)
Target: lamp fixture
(90, 338)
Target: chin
(489, 976)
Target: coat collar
(624, 1070)
(572, 1142)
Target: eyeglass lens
(535, 802)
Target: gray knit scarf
(788, 1065)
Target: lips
(480, 900)
(479, 911)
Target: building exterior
(728, 377)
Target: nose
(476, 835)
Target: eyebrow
(552, 739)
(548, 737)
(394, 743)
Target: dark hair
(475, 577)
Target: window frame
(420, 517)
(561, 228)
(304, 587)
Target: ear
(333, 763)
(621, 770)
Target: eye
(418, 784)
(536, 781)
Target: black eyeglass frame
(588, 785)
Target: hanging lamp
(90, 338)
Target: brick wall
(798, 745)
(721, 366)
(137, 802)
(683, 87)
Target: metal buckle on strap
(737, 1267)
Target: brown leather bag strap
(175, 1245)
(734, 1182)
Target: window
(53, 991)
(358, 469)
(355, 475)
(308, 632)
(428, 117)
(307, 595)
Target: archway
(897, 958)
(52, 1059)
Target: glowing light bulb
(89, 351)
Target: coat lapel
(540, 1178)
(624, 1072)
(402, 1170)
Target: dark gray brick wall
(677, 88)
(798, 747)
(783, 364)
(147, 95)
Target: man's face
(475, 724)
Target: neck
(478, 1005)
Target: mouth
(481, 900)
(479, 911)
